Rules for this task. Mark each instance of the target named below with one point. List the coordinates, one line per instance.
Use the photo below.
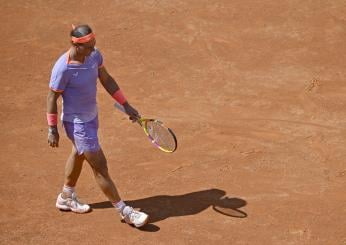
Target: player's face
(87, 48)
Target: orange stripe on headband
(84, 39)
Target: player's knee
(101, 169)
(98, 163)
(101, 173)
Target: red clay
(254, 90)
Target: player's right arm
(52, 113)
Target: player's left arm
(114, 90)
(107, 81)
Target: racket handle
(119, 107)
(122, 109)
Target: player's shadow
(163, 206)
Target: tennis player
(74, 77)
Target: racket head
(231, 212)
(159, 135)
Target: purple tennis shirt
(77, 82)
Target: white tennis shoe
(72, 204)
(134, 217)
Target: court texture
(254, 90)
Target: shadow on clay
(163, 206)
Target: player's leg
(73, 169)
(98, 163)
(67, 200)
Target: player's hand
(132, 112)
(53, 137)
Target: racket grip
(119, 107)
(122, 109)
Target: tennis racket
(159, 135)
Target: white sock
(119, 206)
(68, 190)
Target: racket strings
(161, 135)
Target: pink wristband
(52, 119)
(119, 97)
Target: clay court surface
(254, 90)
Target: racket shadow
(164, 206)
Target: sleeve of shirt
(58, 79)
(99, 58)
